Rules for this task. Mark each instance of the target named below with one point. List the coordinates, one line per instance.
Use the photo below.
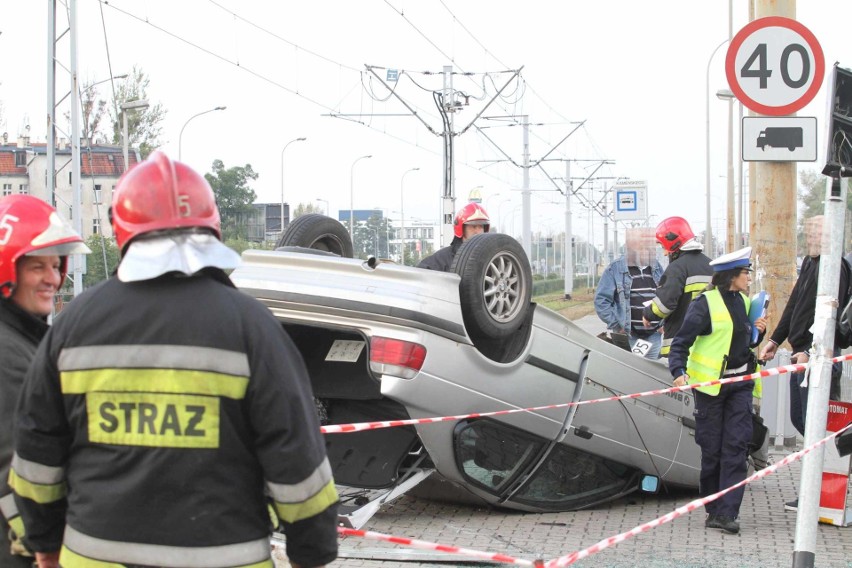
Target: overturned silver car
(384, 342)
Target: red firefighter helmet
(673, 232)
(160, 194)
(471, 214)
(29, 226)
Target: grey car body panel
(560, 363)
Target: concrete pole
(731, 232)
(568, 250)
(78, 259)
(51, 104)
(773, 221)
(819, 382)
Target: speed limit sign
(775, 66)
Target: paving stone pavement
(766, 539)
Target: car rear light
(395, 357)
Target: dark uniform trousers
(723, 431)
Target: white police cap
(737, 259)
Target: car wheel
(496, 285)
(317, 232)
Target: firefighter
(165, 407)
(686, 276)
(472, 219)
(34, 244)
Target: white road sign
(775, 66)
(631, 201)
(779, 138)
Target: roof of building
(99, 160)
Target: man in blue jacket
(626, 285)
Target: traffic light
(839, 152)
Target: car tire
(496, 285)
(318, 232)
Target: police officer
(715, 341)
(686, 276)
(34, 244)
(472, 219)
(164, 407)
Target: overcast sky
(635, 72)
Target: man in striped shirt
(626, 286)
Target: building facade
(23, 170)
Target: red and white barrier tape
(361, 426)
(691, 506)
(413, 543)
(598, 547)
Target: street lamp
(402, 214)
(732, 237)
(126, 106)
(300, 139)
(326, 204)
(352, 196)
(708, 238)
(180, 136)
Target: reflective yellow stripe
(35, 491)
(37, 472)
(70, 559)
(292, 512)
(17, 525)
(154, 380)
(154, 357)
(153, 420)
(303, 490)
(695, 289)
(657, 311)
(112, 553)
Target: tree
(812, 199)
(94, 109)
(371, 237)
(143, 125)
(305, 208)
(233, 196)
(101, 247)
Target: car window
(490, 455)
(570, 479)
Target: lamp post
(402, 214)
(180, 136)
(352, 196)
(126, 106)
(731, 233)
(326, 204)
(300, 139)
(708, 238)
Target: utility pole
(448, 201)
(450, 101)
(772, 224)
(819, 380)
(568, 249)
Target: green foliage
(241, 245)
(102, 247)
(143, 125)
(371, 237)
(305, 208)
(234, 197)
(812, 188)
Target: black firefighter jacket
(154, 421)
